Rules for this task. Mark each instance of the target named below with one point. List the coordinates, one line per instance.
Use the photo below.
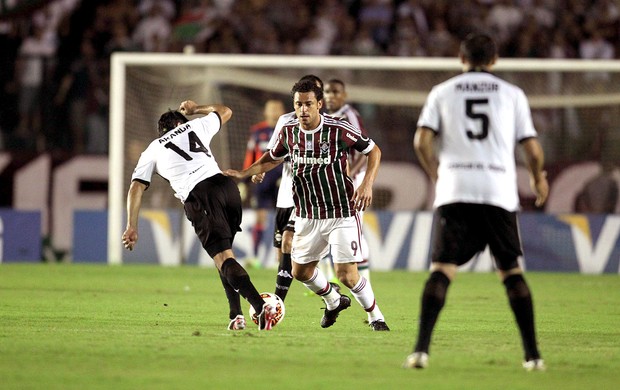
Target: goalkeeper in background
(478, 118)
(264, 193)
(211, 201)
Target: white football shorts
(313, 238)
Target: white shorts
(313, 238)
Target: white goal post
(398, 82)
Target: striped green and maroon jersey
(321, 187)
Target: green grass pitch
(153, 327)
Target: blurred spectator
(10, 42)
(596, 47)
(406, 41)
(33, 68)
(264, 39)
(376, 16)
(347, 30)
(504, 18)
(542, 13)
(465, 17)
(364, 44)
(74, 94)
(605, 14)
(413, 12)
(119, 40)
(320, 37)
(196, 24)
(117, 11)
(153, 31)
(98, 110)
(440, 42)
(224, 40)
(167, 8)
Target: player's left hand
(362, 198)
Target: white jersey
(478, 118)
(351, 115)
(181, 156)
(285, 192)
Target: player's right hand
(130, 238)
(188, 107)
(541, 189)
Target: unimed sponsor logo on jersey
(312, 160)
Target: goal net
(574, 105)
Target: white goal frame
(121, 60)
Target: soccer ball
(274, 301)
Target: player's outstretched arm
(261, 176)
(134, 201)
(264, 164)
(189, 107)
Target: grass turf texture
(152, 327)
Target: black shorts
(284, 221)
(214, 208)
(464, 229)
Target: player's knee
(287, 242)
(516, 287)
(302, 273)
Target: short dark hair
(168, 121)
(307, 86)
(313, 78)
(479, 49)
(336, 81)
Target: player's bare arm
(261, 176)
(264, 164)
(538, 176)
(134, 201)
(423, 146)
(362, 197)
(190, 107)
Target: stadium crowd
(54, 84)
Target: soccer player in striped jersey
(478, 119)
(285, 219)
(326, 203)
(335, 96)
(211, 201)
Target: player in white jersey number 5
(477, 118)
(326, 202)
(212, 202)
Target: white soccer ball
(274, 301)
